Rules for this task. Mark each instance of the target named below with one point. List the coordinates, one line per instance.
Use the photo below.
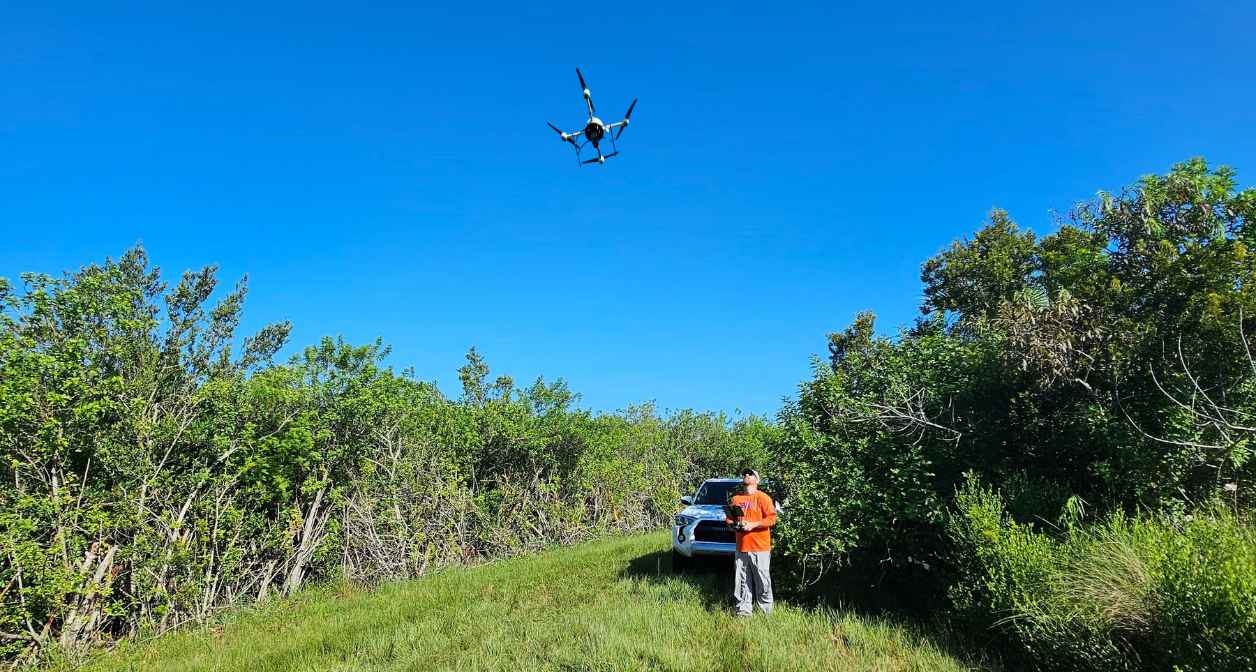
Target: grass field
(608, 605)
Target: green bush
(1018, 581)
(155, 469)
(1205, 593)
(1147, 592)
(1106, 363)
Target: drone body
(594, 131)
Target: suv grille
(714, 530)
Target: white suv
(700, 529)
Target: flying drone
(595, 130)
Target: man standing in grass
(751, 582)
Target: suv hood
(705, 512)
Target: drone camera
(601, 160)
(586, 93)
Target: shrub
(1107, 362)
(154, 473)
(1147, 592)
(1205, 593)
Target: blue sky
(384, 169)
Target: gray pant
(751, 581)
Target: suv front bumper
(684, 543)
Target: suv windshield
(717, 492)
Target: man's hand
(748, 525)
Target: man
(751, 582)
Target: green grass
(608, 605)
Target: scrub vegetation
(157, 470)
(1054, 460)
(1060, 448)
(605, 605)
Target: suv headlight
(683, 521)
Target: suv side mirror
(686, 500)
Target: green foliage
(1031, 446)
(1014, 579)
(1106, 363)
(976, 277)
(862, 462)
(1205, 593)
(1101, 372)
(158, 469)
(1148, 592)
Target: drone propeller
(564, 136)
(626, 115)
(586, 90)
(601, 159)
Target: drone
(595, 130)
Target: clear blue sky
(384, 169)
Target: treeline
(157, 469)
(1056, 453)
(1060, 446)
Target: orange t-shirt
(756, 507)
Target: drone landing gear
(600, 158)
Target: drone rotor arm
(567, 137)
(624, 124)
(587, 98)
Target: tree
(1091, 362)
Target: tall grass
(609, 605)
(1110, 577)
